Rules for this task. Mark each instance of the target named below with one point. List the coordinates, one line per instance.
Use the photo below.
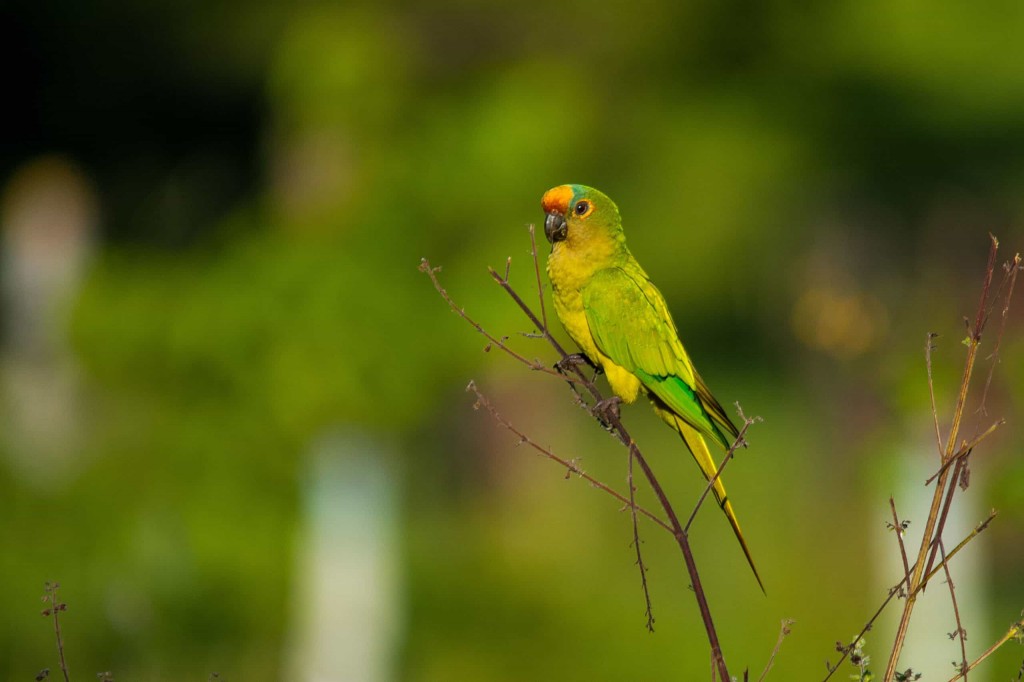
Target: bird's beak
(555, 228)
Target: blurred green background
(232, 419)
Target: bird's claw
(575, 360)
(607, 410)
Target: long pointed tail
(699, 449)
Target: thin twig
(570, 466)
(928, 348)
(898, 529)
(785, 630)
(961, 633)
(1016, 630)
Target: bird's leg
(575, 360)
(607, 410)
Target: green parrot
(619, 319)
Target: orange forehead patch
(557, 199)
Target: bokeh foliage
(269, 178)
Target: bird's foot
(575, 360)
(607, 410)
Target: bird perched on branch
(619, 319)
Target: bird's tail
(699, 449)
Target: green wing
(631, 324)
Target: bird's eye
(582, 207)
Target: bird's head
(578, 214)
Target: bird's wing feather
(630, 323)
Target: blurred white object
(929, 649)
(48, 217)
(346, 618)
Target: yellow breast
(568, 277)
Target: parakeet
(619, 319)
